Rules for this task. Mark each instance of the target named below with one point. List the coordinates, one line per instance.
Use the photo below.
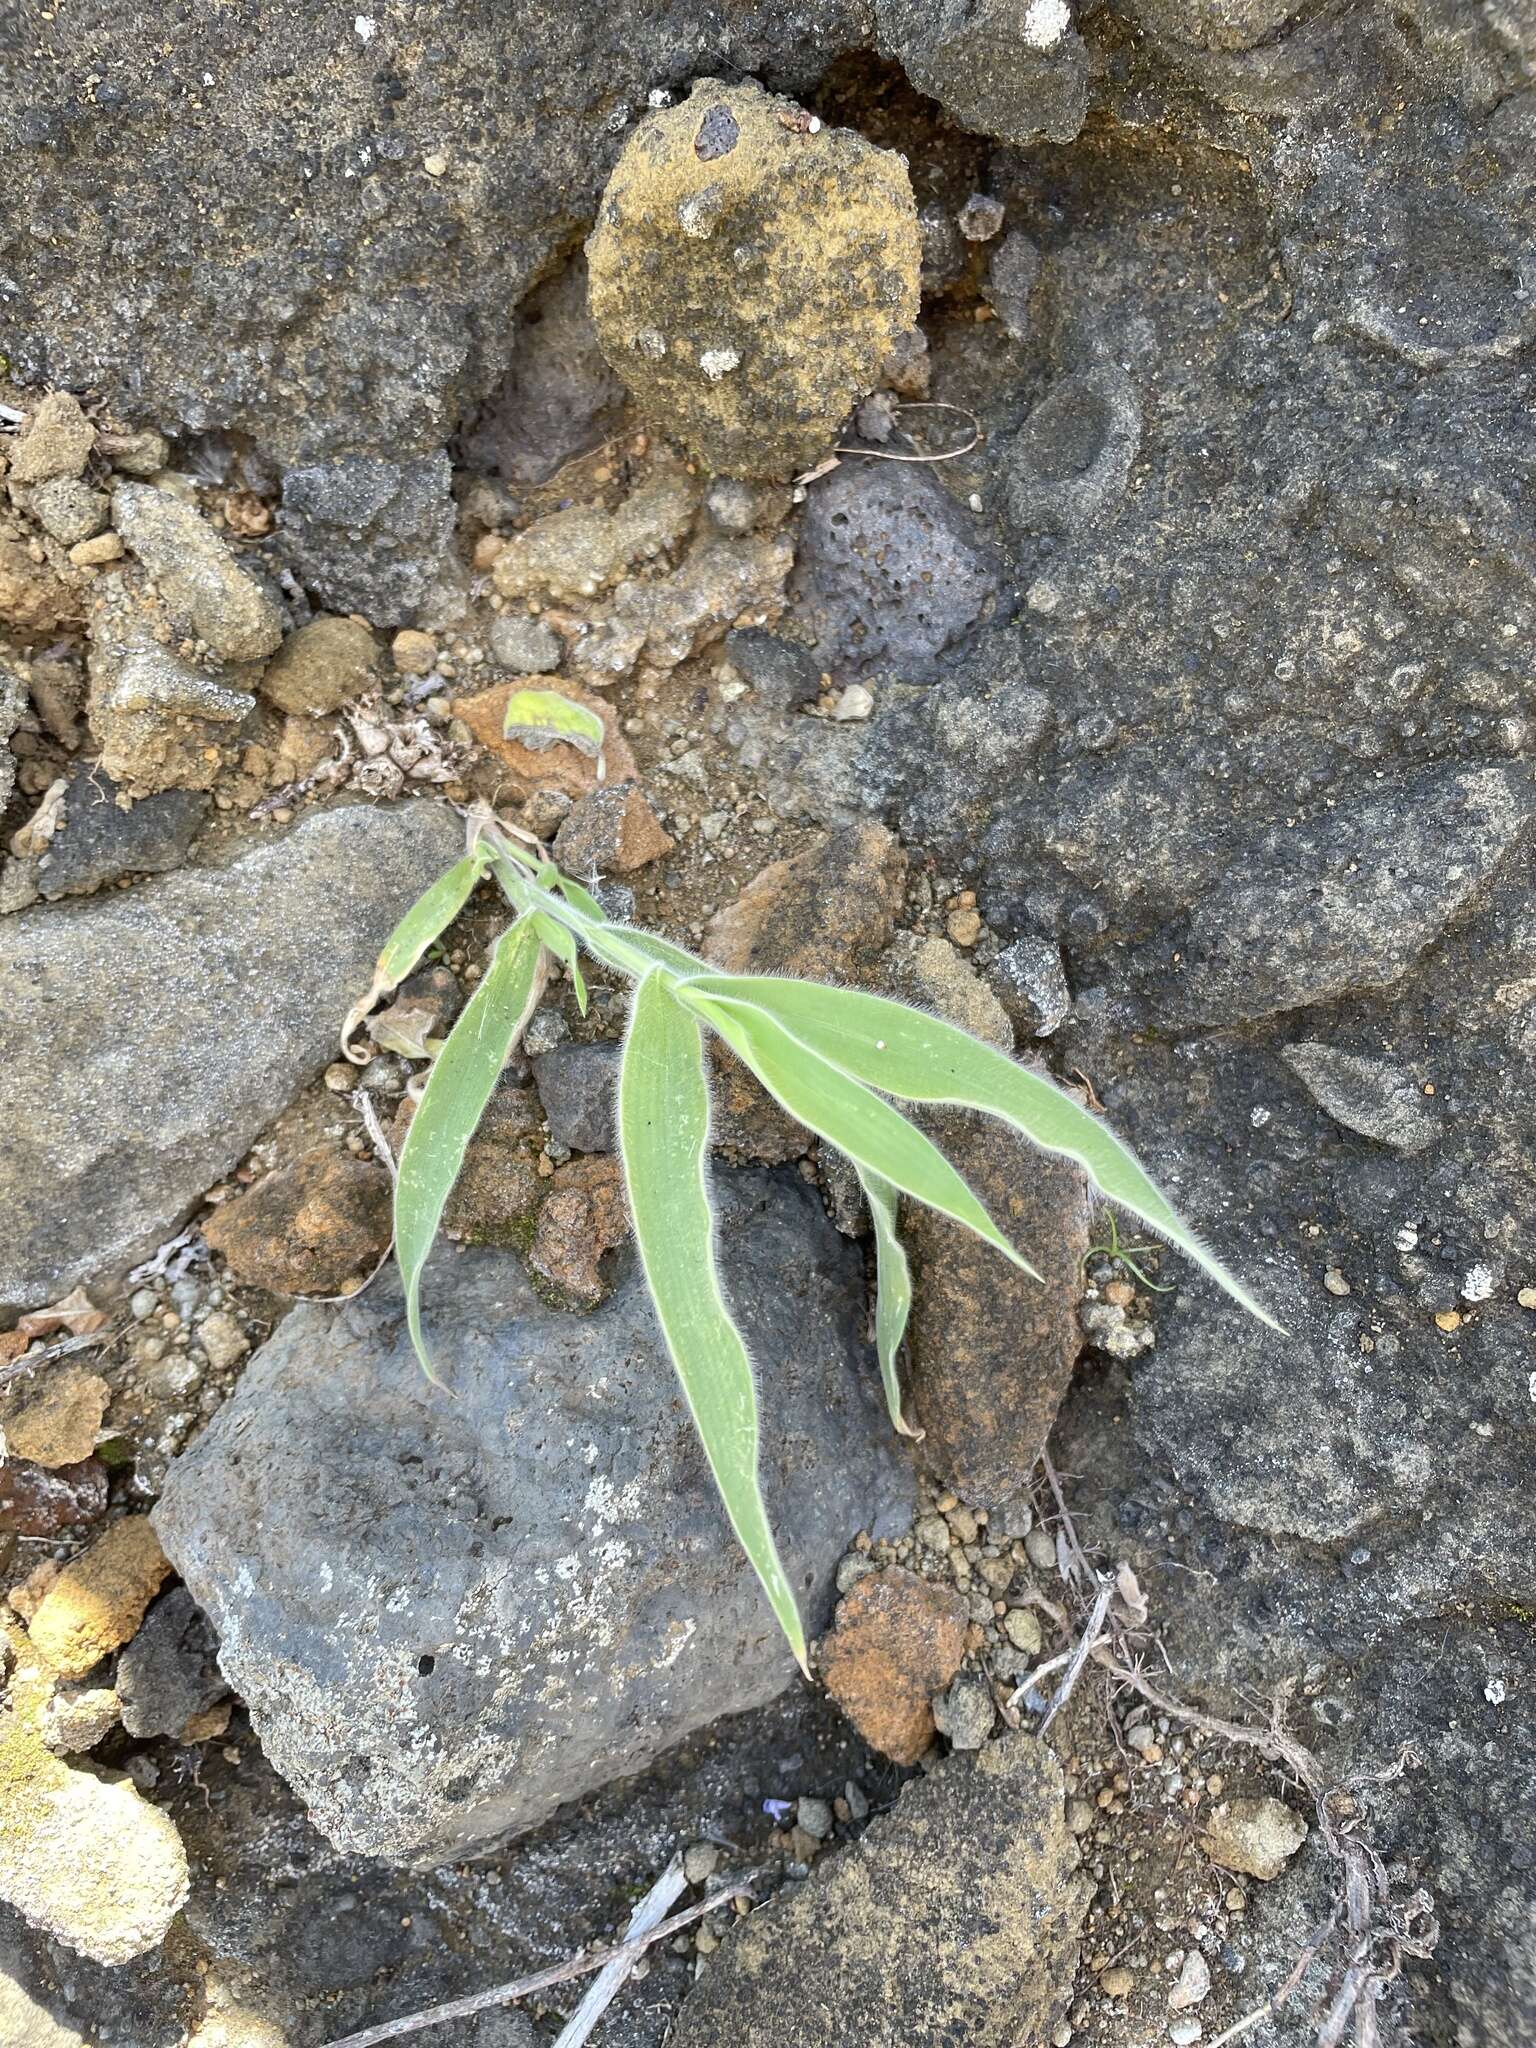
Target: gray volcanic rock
(1346, 900)
(151, 1035)
(310, 225)
(450, 1614)
(891, 570)
(368, 536)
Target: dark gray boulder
(311, 224)
(450, 1612)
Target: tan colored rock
(319, 1226)
(322, 666)
(413, 653)
(55, 1420)
(750, 270)
(582, 550)
(931, 975)
(1256, 1836)
(83, 1859)
(99, 1599)
(718, 584)
(34, 602)
(98, 551)
(56, 441)
(515, 771)
(895, 1641)
(197, 573)
(954, 1919)
(583, 1216)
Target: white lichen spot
(367, 28)
(1478, 1285)
(1045, 23)
(700, 212)
(715, 362)
(685, 1633)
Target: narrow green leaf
(562, 943)
(919, 1058)
(664, 1143)
(540, 718)
(838, 1108)
(893, 1290)
(427, 919)
(461, 1082)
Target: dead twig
(610, 1979)
(1086, 1644)
(579, 1965)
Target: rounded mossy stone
(750, 271)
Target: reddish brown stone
(583, 1216)
(498, 1188)
(35, 1501)
(516, 771)
(896, 1640)
(826, 915)
(612, 831)
(991, 1352)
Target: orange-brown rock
(317, 1227)
(97, 1602)
(896, 1640)
(827, 914)
(516, 770)
(583, 1216)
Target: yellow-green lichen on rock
(83, 1858)
(750, 270)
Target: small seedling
(832, 1057)
(1126, 1255)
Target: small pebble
(815, 1816)
(857, 1798)
(963, 926)
(1118, 1982)
(1335, 1282)
(980, 218)
(1040, 1548)
(1184, 2033)
(143, 1303)
(1022, 1630)
(413, 653)
(933, 1533)
(700, 1862)
(1527, 1297)
(1194, 1983)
